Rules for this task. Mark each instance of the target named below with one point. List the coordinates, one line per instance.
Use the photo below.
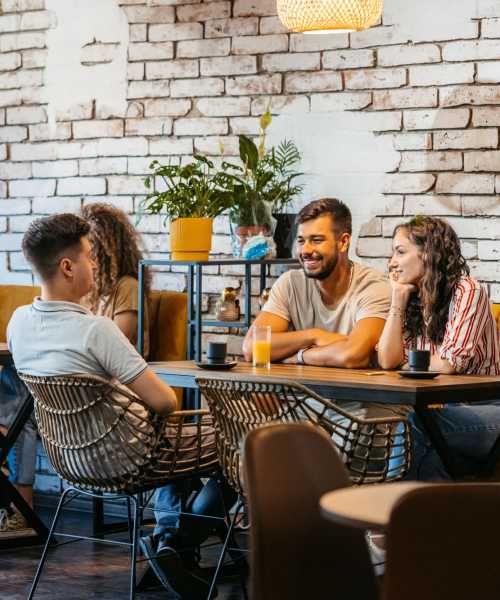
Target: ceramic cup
(419, 360)
(216, 352)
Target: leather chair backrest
(168, 329)
(442, 543)
(296, 553)
(11, 297)
(167, 326)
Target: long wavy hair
(444, 266)
(115, 244)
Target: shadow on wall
(342, 157)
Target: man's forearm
(288, 343)
(337, 354)
(283, 344)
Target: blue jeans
(470, 432)
(12, 394)
(194, 499)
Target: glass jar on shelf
(228, 305)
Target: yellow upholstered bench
(11, 297)
(496, 313)
(167, 328)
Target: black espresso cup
(216, 352)
(419, 360)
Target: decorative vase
(191, 238)
(285, 234)
(251, 223)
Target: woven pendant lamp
(329, 15)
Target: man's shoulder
(293, 278)
(365, 276)
(101, 325)
(21, 311)
(19, 316)
(370, 285)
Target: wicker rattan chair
(373, 450)
(101, 438)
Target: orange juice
(262, 353)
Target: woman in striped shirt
(437, 306)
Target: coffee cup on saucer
(216, 352)
(419, 360)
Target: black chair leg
(130, 521)
(47, 543)
(229, 538)
(135, 540)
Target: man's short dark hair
(47, 239)
(338, 211)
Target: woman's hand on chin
(401, 291)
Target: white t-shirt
(63, 338)
(296, 298)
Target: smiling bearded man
(332, 311)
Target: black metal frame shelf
(195, 291)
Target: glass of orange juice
(262, 347)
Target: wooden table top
(4, 350)
(365, 506)
(367, 379)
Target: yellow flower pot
(191, 238)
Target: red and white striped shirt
(471, 340)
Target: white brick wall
(202, 72)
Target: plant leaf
(248, 152)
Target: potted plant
(262, 187)
(190, 197)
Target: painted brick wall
(201, 72)
(198, 72)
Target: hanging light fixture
(329, 15)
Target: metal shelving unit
(195, 291)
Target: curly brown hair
(116, 250)
(444, 266)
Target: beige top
(297, 299)
(125, 298)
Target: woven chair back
(97, 435)
(373, 450)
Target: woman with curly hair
(437, 306)
(116, 252)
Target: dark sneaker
(168, 567)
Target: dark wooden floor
(83, 570)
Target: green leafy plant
(265, 182)
(197, 189)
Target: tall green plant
(197, 189)
(265, 181)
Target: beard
(326, 268)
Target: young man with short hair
(332, 311)
(56, 335)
